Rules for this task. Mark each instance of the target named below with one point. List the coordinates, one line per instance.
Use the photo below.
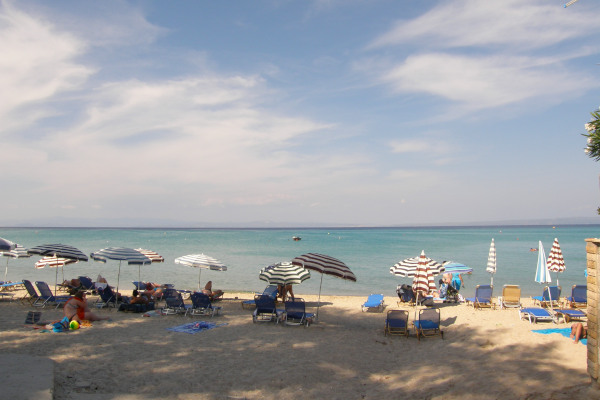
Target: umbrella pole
(319, 300)
(56, 275)
(492, 282)
(118, 278)
(6, 270)
(139, 274)
(199, 275)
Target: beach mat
(566, 332)
(195, 327)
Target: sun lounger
(578, 297)
(535, 314)
(270, 291)
(295, 313)
(396, 323)
(201, 305)
(373, 301)
(266, 309)
(428, 323)
(47, 297)
(483, 297)
(550, 297)
(32, 296)
(107, 297)
(511, 297)
(174, 303)
(568, 314)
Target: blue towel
(195, 327)
(566, 332)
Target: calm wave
(369, 252)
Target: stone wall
(593, 267)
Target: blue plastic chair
(396, 323)
(483, 297)
(373, 301)
(535, 314)
(550, 297)
(295, 313)
(270, 291)
(47, 297)
(201, 305)
(428, 323)
(578, 297)
(266, 309)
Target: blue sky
(271, 113)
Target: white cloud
(475, 23)
(37, 63)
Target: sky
(297, 113)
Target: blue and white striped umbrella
(131, 256)
(56, 251)
(18, 252)
(201, 261)
(456, 268)
(284, 273)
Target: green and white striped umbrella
(284, 273)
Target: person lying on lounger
(578, 331)
(76, 309)
(153, 291)
(137, 299)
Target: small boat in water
(296, 238)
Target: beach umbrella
(556, 261)
(58, 251)
(201, 261)
(131, 256)
(542, 274)
(54, 262)
(284, 273)
(491, 264)
(152, 255)
(408, 267)
(18, 252)
(423, 282)
(326, 265)
(6, 245)
(456, 268)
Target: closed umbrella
(491, 264)
(284, 273)
(153, 256)
(131, 256)
(58, 251)
(18, 252)
(326, 265)
(542, 274)
(201, 261)
(556, 261)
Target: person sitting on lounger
(212, 295)
(76, 309)
(578, 331)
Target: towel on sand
(566, 332)
(195, 327)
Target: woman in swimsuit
(76, 309)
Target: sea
(368, 252)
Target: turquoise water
(369, 252)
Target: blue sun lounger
(550, 297)
(428, 323)
(578, 297)
(535, 314)
(396, 323)
(373, 301)
(270, 291)
(569, 314)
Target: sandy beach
(485, 354)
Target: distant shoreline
(499, 225)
